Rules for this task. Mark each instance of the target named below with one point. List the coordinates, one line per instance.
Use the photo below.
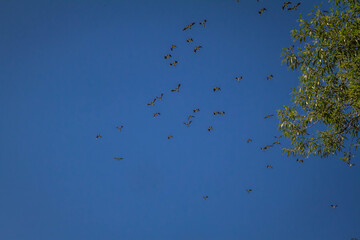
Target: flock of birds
(168, 56)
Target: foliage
(324, 118)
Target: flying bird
(205, 197)
(152, 103)
(334, 206)
(190, 116)
(98, 136)
(173, 63)
(249, 190)
(351, 164)
(269, 166)
(197, 48)
(172, 47)
(249, 140)
(156, 114)
(278, 138)
(189, 26)
(216, 89)
(160, 98)
(239, 78)
(269, 77)
(268, 116)
(266, 147)
(210, 128)
(188, 123)
(203, 22)
(118, 158)
(300, 160)
(120, 128)
(167, 56)
(196, 110)
(170, 136)
(189, 40)
(294, 7)
(285, 5)
(176, 89)
(277, 142)
(221, 113)
(262, 10)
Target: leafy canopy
(324, 117)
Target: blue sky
(70, 70)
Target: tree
(325, 115)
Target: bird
(196, 110)
(189, 40)
(197, 48)
(239, 78)
(278, 138)
(269, 166)
(173, 63)
(334, 206)
(300, 160)
(294, 7)
(221, 113)
(285, 5)
(189, 26)
(167, 56)
(98, 136)
(205, 197)
(118, 158)
(351, 164)
(152, 103)
(262, 10)
(210, 128)
(277, 142)
(120, 128)
(216, 89)
(249, 190)
(172, 47)
(160, 98)
(249, 140)
(188, 123)
(268, 116)
(203, 22)
(156, 114)
(170, 136)
(266, 147)
(176, 89)
(269, 77)
(190, 116)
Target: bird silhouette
(249, 190)
(120, 128)
(351, 164)
(269, 116)
(269, 166)
(98, 136)
(188, 123)
(285, 5)
(167, 56)
(173, 63)
(300, 160)
(196, 110)
(277, 142)
(249, 140)
(197, 48)
(294, 7)
(278, 138)
(189, 26)
(118, 158)
(239, 78)
(334, 206)
(189, 40)
(172, 47)
(170, 137)
(269, 77)
(266, 147)
(210, 128)
(152, 103)
(216, 89)
(203, 22)
(205, 197)
(190, 116)
(160, 98)
(156, 114)
(176, 89)
(262, 10)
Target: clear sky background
(70, 70)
